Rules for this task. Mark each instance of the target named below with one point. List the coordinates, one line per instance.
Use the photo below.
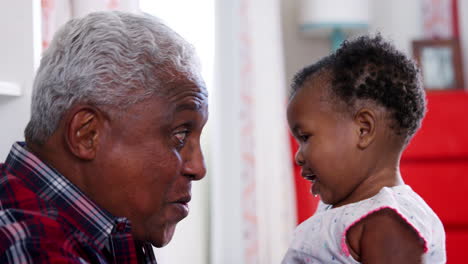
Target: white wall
(397, 20)
(299, 51)
(20, 47)
(463, 19)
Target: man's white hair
(106, 58)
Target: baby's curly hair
(371, 69)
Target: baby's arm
(384, 237)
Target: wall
(298, 50)
(463, 20)
(20, 48)
(398, 20)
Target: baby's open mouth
(310, 177)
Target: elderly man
(112, 146)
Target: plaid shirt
(44, 218)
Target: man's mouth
(181, 206)
(184, 200)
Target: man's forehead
(186, 90)
(191, 105)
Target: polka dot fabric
(322, 237)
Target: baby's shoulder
(384, 234)
(394, 218)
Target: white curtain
(253, 206)
(57, 12)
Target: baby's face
(328, 152)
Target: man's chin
(161, 243)
(161, 239)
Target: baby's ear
(365, 120)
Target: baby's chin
(326, 199)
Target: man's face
(148, 157)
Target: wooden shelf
(10, 89)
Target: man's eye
(181, 136)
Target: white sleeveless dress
(322, 237)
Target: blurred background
(247, 207)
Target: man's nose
(194, 164)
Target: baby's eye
(303, 138)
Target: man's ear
(83, 131)
(365, 120)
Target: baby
(353, 113)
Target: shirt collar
(95, 223)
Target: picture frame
(440, 63)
